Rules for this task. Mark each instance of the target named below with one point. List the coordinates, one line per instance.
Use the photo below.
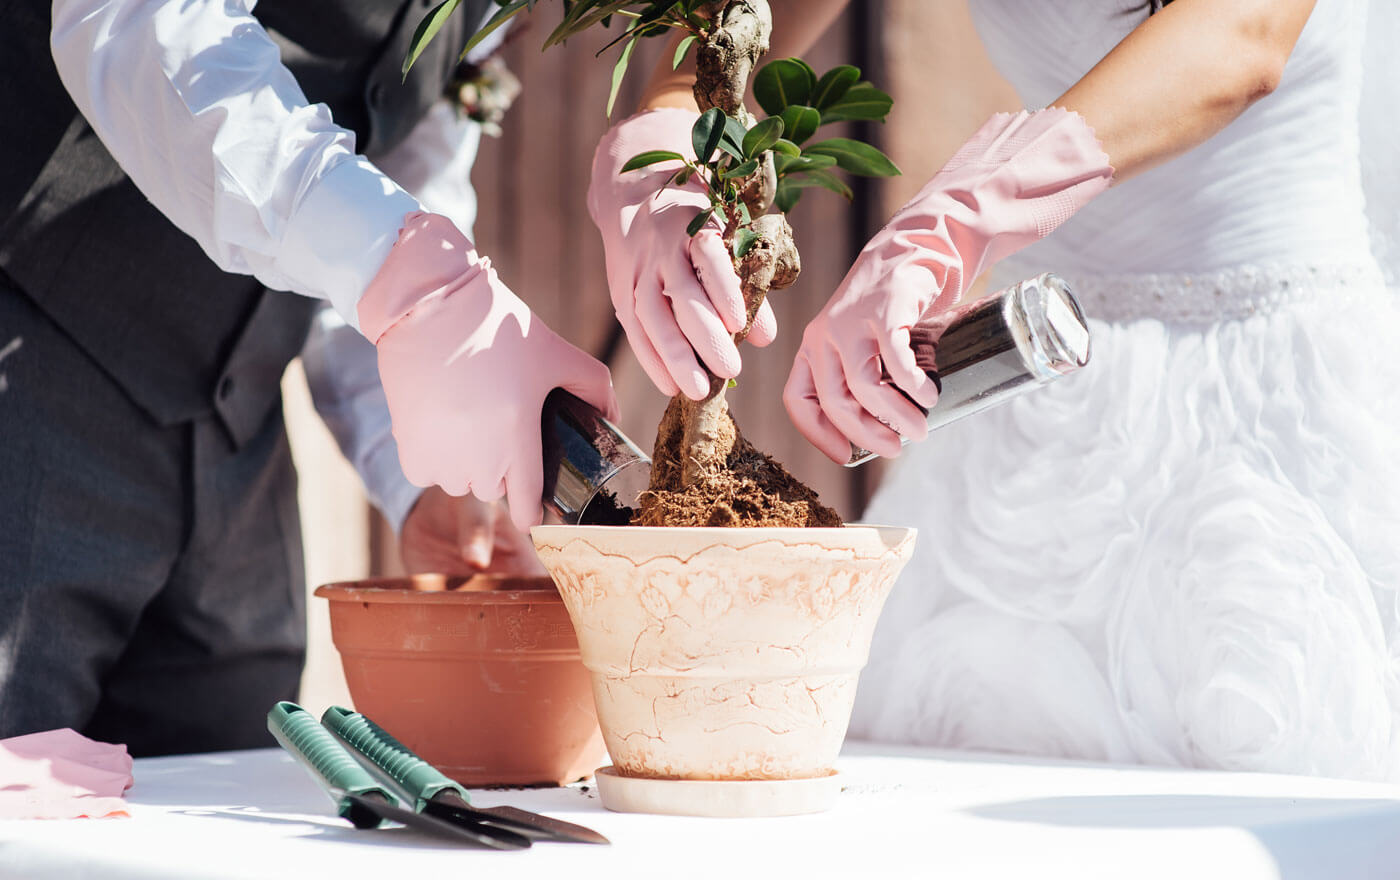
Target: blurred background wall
(533, 222)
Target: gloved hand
(1018, 178)
(676, 296)
(466, 367)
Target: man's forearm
(194, 103)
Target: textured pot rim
(683, 542)
(482, 589)
(781, 532)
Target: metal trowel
(593, 474)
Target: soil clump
(748, 488)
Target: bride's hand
(1019, 177)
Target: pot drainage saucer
(724, 798)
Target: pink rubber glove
(676, 296)
(1018, 178)
(466, 367)
(61, 774)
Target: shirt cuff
(342, 233)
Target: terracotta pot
(724, 654)
(480, 677)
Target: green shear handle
(338, 773)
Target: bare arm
(797, 25)
(1183, 75)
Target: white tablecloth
(904, 812)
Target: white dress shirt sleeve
(342, 372)
(194, 103)
(434, 163)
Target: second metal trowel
(593, 474)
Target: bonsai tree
(704, 472)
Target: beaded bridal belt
(1227, 295)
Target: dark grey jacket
(181, 337)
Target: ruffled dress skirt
(1186, 554)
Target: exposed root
(751, 489)
(704, 473)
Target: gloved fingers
(659, 323)
(883, 401)
(703, 329)
(418, 467)
(713, 266)
(524, 482)
(587, 378)
(898, 355)
(765, 325)
(408, 463)
(489, 490)
(849, 417)
(800, 400)
(647, 356)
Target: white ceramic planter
(723, 654)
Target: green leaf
(503, 15)
(643, 25)
(745, 218)
(763, 136)
(681, 50)
(787, 196)
(743, 169)
(732, 383)
(683, 176)
(833, 85)
(785, 147)
(619, 70)
(705, 134)
(823, 179)
(698, 222)
(651, 157)
(782, 83)
(862, 101)
(579, 19)
(855, 157)
(800, 122)
(743, 241)
(798, 164)
(427, 29)
(733, 140)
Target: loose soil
(750, 490)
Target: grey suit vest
(182, 338)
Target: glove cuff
(666, 128)
(430, 254)
(1014, 182)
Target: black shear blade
(476, 832)
(531, 824)
(555, 829)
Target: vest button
(376, 95)
(226, 386)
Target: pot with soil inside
(725, 626)
(479, 676)
(723, 654)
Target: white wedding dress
(1189, 552)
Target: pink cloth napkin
(61, 774)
